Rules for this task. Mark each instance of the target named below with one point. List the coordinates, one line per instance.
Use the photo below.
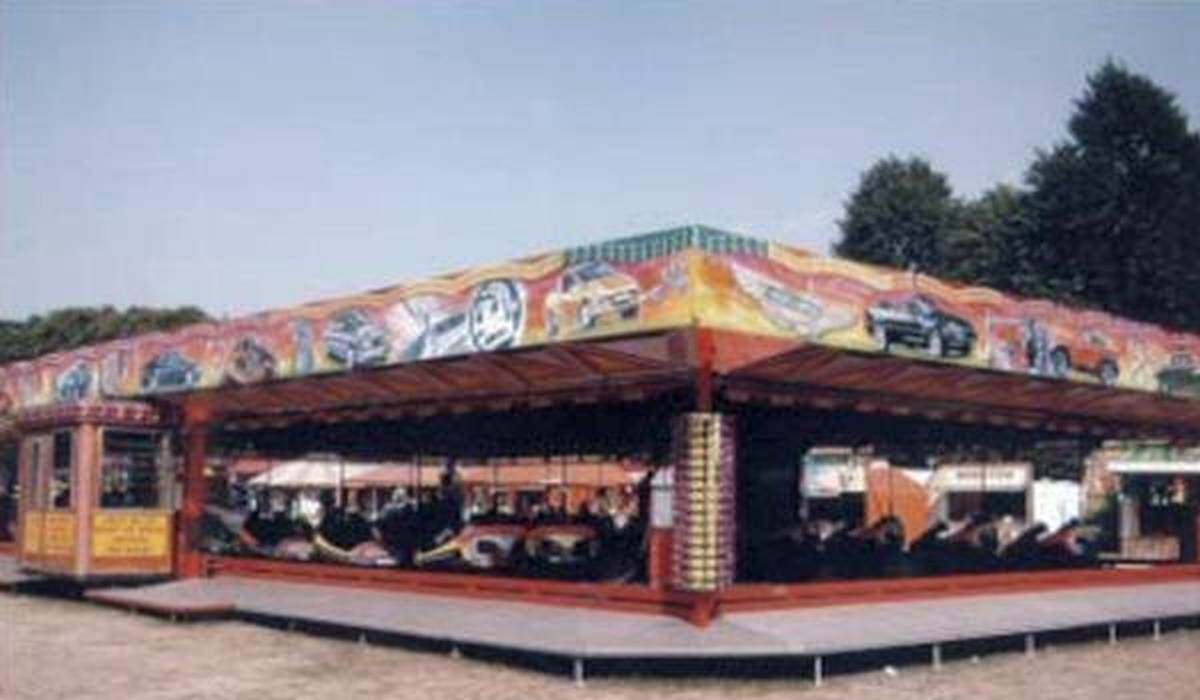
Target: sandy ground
(64, 649)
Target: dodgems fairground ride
(712, 360)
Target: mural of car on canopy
(497, 314)
(447, 334)
(431, 327)
(801, 313)
(916, 322)
(1180, 376)
(1094, 356)
(73, 385)
(588, 294)
(250, 362)
(785, 308)
(353, 339)
(169, 370)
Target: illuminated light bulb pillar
(704, 527)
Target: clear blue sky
(248, 155)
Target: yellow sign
(58, 535)
(33, 533)
(130, 535)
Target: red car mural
(1093, 354)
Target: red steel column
(188, 563)
(705, 352)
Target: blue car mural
(169, 371)
(74, 384)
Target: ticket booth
(97, 499)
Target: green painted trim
(659, 244)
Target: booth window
(8, 492)
(130, 470)
(60, 476)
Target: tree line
(69, 328)
(1109, 217)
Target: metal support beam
(1030, 645)
(577, 671)
(1157, 630)
(195, 493)
(705, 351)
(1112, 634)
(818, 671)
(936, 653)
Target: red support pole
(659, 555)
(705, 352)
(188, 563)
(703, 609)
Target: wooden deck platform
(582, 634)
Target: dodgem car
(918, 323)
(588, 294)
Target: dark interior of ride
(778, 539)
(783, 540)
(445, 527)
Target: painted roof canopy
(689, 276)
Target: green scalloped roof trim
(658, 244)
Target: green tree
(1115, 207)
(991, 246)
(900, 215)
(69, 328)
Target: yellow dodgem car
(588, 294)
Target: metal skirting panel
(596, 634)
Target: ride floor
(583, 634)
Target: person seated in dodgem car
(554, 508)
(398, 526)
(259, 523)
(498, 513)
(597, 513)
(343, 526)
(272, 523)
